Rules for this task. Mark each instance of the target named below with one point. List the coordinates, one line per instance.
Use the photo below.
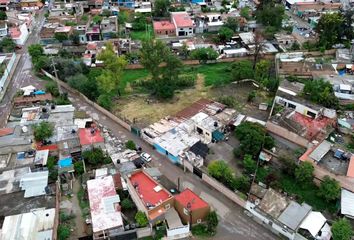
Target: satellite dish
(24, 129)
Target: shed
(34, 183)
(294, 214)
(320, 151)
(346, 202)
(313, 223)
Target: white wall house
(19, 34)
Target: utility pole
(56, 75)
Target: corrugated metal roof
(321, 151)
(347, 200)
(34, 183)
(294, 214)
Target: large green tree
(222, 172)
(161, 8)
(330, 29)
(262, 71)
(304, 173)
(7, 45)
(204, 54)
(232, 23)
(342, 230)
(321, 92)
(43, 131)
(271, 15)
(242, 70)
(225, 34)
(329, 189)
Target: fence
(93, 104)
(57, 206)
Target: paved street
(234, 224)
(23, 73)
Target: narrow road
(23, 74)
(234, 224)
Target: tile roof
(350, 172)
(188, 196)
(163, 25)
(182, 19)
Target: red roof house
(90, 137)
(166, 28)
(190, 207)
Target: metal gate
(136, 131)
(197, 171)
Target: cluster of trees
(261, 72)
(7, 45)
(39, 60)
(223, 173)
(270, 15)
(321, 92)
(253, 137)
(342, 230)
(96, 157)
(334, 28)
(204, 54)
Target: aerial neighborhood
(163, 119)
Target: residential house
(93, 33)
(208, 22)
(4, 5)
(164, 28)
(109, 26)
(126, 3)
(30, 5)
(190, 207)
(95, 4)
(3, 29)
(285, 41)
(183, 23)
(149, 196)
(106, 216)
(207, 127)
(286, 217)
(19, 34)
(90, 138)
(65, 30)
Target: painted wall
(302, 109)
(161, 150)
(197, 215)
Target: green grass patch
(142, 35)
(306, 193)
(215, 74)
(130, 76)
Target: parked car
(145, 156)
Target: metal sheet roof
(314, 222)
(347, 203)
(321, 151)
(294, 214)
(34, 183)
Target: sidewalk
(9, 78)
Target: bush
(141, 219)
(228, 101)
(304, 172)
(249, 164)
(221, 172)
(105, 101)
(185, 81)
(242, 183)
(43, 131)
(329, 189)
(212, 222)
(342, 230)
(63, 232)
(79, 168)
(251, 96)
(130, 144)
(127, 204)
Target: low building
(36, 224)
(30, 5)
(3, 29)
(164, 28)
(106, 217)
(285, 41)
(175, 228)
(19, 34)
(90, 138)
(149, 196)
(190, 207)
(183, 23)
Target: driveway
(234, 224)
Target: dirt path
(80, 225)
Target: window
(291, 105)
(311, 114)
(199, 220)
(185, 211)
(167, 206)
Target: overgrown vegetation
(207, 229)
(141, 219)
(95, 157)
(321, 92)
(43, 131)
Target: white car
(146, 157)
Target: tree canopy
(330, 29)
(204, 54)
(3, 15)
(225, 34)
(321, 92)
(141, 219)
(342, 230)
(7, 45)
(232, 23)
(242, 70)
(304, 172)
(270, 14)
(329, 189)
(221, 171)
(161, 8)
(43, 131)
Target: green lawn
(142, 35)
(131, 76)
(215, 74)
(306, 193)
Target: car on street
(145, 156)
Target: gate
(197, 172)
(136, 131)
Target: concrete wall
(288, 135)
(143, 232)
(169, 203)
(181, 231)
(9, 66)
(224, 190)
(302, 109)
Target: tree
(212, 222)
(130, 144)
(3, 15)
(41, 63)
(204, 54)
(43, 131)
(172, 68)
(161, 8)
(151, 56)
(222, 172)
(75, 38)
(60, 36)
(258, 47)
(262, 71)
(127, 204)
(35, 51)
(139, 22)
(7, 45)
(86, 85)
(329, 189)
(242, 70)
(79, 168)
(95, 157)
(320, 91)
(245, 12)
(141, 219)
(304, 172)
(97, 19)
(249, 164)
(251, 137)
(330, 29)
(271, 15)
(52, 88)
(225, 34)
(113, 70)
(242, 183)
(342, 230)
(105, 101)
(184, 50)
(231, 23)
